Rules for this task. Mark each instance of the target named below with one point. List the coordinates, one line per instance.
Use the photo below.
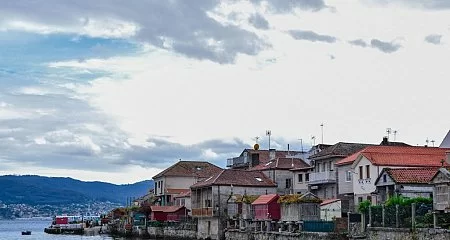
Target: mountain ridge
(34, 189)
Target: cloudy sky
(113, 91)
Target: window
(323, 167)
(288, 183)
(332, 192)
(359, 199)
(208, 203)
(300, 178)
(367, 171)
(245, 157)
(384, 178)
(306, 177)
(348, 176)
(361, 172)
(369, 198)
(318, 167)
(330, 166)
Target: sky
(111, 91)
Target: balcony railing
(237, 161)
(202, 212)
(322, 177)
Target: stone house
(323, 180)
(300, 177)
(184, 199)
(406, 182)
(441, 190)
(280, 171)
(372, 160)
(179, 177)
(210, 197)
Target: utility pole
(321, 126)
(268, 133)
(301, 143)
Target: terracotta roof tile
(166, 209)
(198, 169)
(405, 156)
(328, 201)
(350, 159)
(265, 199)
(237, 178)
(412, 175)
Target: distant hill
(31, 189)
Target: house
(330, 209)
(406, 182)
(441, 187)
(323, 180)
(300, 176)
(179, 177)
(372, 160)
(210, 197)
(345, 176)
(252, 157)
(299, 207)
(167, 213)
(279, 170)
(184, 199)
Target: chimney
(385, 141)
(272, 154)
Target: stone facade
(239, 235)
(407, 234)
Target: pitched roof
(176, 190)
(446, 142)
(237, 178)
(340, 149)
(282, 163)
(445, 171)
(349, 160)
(198, 169)
(410, 175)
(405, 156)
(329, 201)
(265, 199)
(166, 209)
(184, 194)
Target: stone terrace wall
(407, 234)
(171, 233)
(239, 235)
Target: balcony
(237, 162)
(202, 212)
(322, 177)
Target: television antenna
(388, 131)
(432, 142)
(321, 126)
(313, 138)
(301, 143)
(395, 134)
(268, 133)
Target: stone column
(383, 215)
(413, 215)
(435, 221)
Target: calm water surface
(12, 230)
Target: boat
(26, 232)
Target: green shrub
(363, 206)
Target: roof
(265, 199)
(184, 194)
(444, 171)
(405, 156)
(198, 169)
(282, 163)
(410, 175)
(329, 201)
(446, 142)
(166, 209)
(264, 155)
(176, 190)
(349, 160)
(340, 149)
(237, 178)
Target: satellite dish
(256, 146)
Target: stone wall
(171, 233)
(239, 235)
(407, 234)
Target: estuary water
(12, 230)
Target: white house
(372, 160)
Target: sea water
(12, 230)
